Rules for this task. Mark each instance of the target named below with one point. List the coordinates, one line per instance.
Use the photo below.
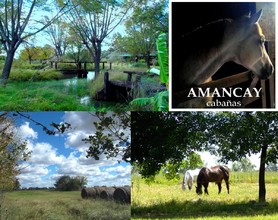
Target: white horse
(207, 48)
(189, 177)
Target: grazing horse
(189, 177)
(207, 48)
(214, 174)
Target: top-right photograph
(222, 55)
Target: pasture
(164, 199)
(44, 204)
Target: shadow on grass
(202, 208)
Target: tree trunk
(7, 68)
(262, 190)
(97, 58)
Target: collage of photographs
(147, 109)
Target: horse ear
(256, 17)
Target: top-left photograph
(81, 55)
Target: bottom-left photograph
(65, 165)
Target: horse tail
(226, 171)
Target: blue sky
(65, 154)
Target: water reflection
(73, 83)
(86, 100)
(91, 75)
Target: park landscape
(45, 173)
(173, 142)
(47, 43)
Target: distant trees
(12, 152)
(31, 53)
(67, 183)
(243, 165)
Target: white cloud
(44, 153)
(25, 132)
(48, 163)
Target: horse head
(199, 190)
(250, 49)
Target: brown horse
(214, 174)
(207, 48)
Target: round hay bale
(92, 192)
(107, 193)
(122, 194)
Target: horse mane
(199, 44)
(205, 37)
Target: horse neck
(205, 65)
(203, 72)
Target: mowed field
(165, 199)
(40, 205)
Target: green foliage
(67, 183)
(12, 153)
(149, 18)
(112, 136)
(242, 133)
(162, 50)
(243, 165)
(31, 53)
(160, 101)
(34, 75)
(160, 137)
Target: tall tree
(16, 25)
(12, 152)
(148, 20)
(236, 135)
(93, 21)
(159, 138)
(58, 33)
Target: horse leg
(227, 186)
(190, 184)
(219, 187)
(206, 187)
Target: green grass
(36, 87)
(165, 199)
(40, 205)
(54, 95)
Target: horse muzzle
(266, 71)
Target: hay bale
(107, 193)
(122, 194)
(92, 192)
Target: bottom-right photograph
(204, 165)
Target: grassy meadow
(164, 199)
(50, 205)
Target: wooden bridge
(117, 90)
(81, 68)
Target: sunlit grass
(156, 200)
(59, 205)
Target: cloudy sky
(54, 156)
